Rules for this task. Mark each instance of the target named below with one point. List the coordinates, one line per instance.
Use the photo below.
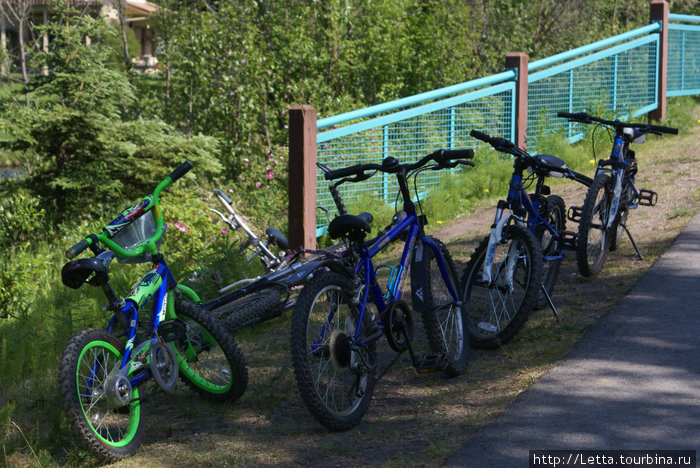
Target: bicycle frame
(158, 284)
(617, 162)
(365, 268)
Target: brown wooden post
(302, 177)
(519, 61)
(658, 11)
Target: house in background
(17, 17)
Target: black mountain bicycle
(343, 311)
(612, 194)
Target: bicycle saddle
(277, 238)
(553, 164)
(351, 226)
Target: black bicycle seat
(277, 238)
(554, 163)
(351, 226)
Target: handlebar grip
(480, 136)
(77, 248)
(659, 128)
(344, 172)
(223, 196)
(500, 144)
(579, 116)
(444, 155)
(181, 171)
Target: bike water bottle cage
(353, 227)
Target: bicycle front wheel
(250, 309)
(102, 415)
(209, 360)
(551, 246)
(500, 305)
(443, 319)
(594, 237)
(335, 379)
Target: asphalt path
(632, 382)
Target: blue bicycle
(103, 372)
(514, 269)
(343, 311)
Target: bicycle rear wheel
(209, 360)
(92, 397)
(594, 237)
(444, 321)
(334, 380)
(498, 308)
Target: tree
(88, 151)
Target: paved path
(631, 382)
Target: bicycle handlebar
(391, 165)
(104, 236)
(586, 118)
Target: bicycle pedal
(430, 363)
(569, 240)
(647, 197)
(172, 330)
(574, 214)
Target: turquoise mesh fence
(619, 81)
(616, 77)
(683, 60)
(408, 139)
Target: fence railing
(626, 75)
(683, 56)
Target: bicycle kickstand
(634, 244)
(549, 301)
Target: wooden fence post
(658, 11)
(302, 177)
(519, 61)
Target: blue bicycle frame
(365, 268)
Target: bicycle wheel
(555, 215)
(443, 319)
(593, 237)
(498, 308)
(335, 382)
(102, 416)
(250, 309)
(209, 360)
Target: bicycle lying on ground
(515, 268)
(611, 195)
(103, 372)
(342, 312)
(264, 297)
